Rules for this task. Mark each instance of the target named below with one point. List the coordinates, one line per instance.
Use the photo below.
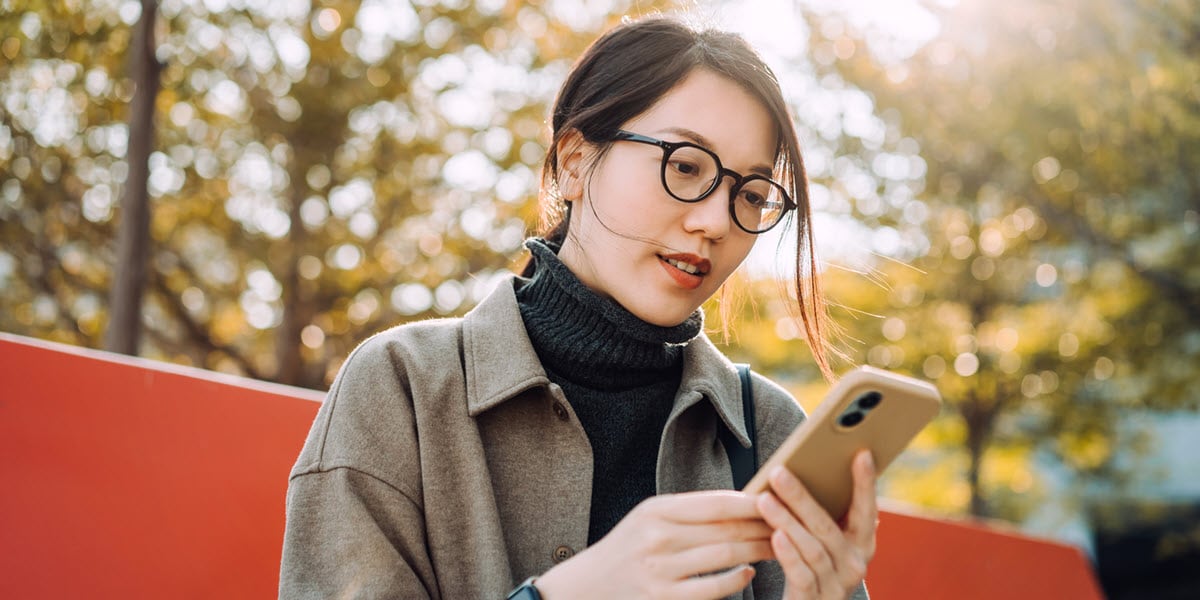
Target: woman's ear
(571, 153)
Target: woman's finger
(801, 580)
(683, 537)
(704, 507)
(811, 551)
(714, 586)
(812, 515)
(863, 517)
(715, 557)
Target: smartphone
(867, 408)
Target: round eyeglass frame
(739, 180)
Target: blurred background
(1006, 200)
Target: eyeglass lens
(690, 173)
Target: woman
(565, 432)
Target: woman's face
(628, 237)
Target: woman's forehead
(716, 112)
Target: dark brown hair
(629, 68)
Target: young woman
(565, 432)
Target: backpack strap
(744, 461)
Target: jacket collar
(498, 357)
(500, 363)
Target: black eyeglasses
(691, 172)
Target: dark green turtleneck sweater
(619, 373)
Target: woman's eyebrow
(695, 137)
(691, 136)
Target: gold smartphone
(867, 408)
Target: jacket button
(560, 411)
(562, 553)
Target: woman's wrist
(550, 585)
(528, 590)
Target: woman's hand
(661, 546)
(820, 558)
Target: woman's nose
(710, 216)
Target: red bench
(129, 478)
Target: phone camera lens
(851, 419)
(869, 400)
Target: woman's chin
(661, 317)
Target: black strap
(744, 461)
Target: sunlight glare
(894, 29)
(775, 27)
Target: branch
(195, 331)
(1167, 283)
(62, 315)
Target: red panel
(931, 560)
(128, 478)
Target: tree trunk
(133, 238)
(288, 359)
(978, 420)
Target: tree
(324, 171)
(1061, 203)
(124, 327)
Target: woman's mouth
(682, 266)
(687, 270)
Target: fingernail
(869, 461)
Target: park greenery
(1025, 189)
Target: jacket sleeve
(777, 413)
(355, 517)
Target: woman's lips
(688, 270)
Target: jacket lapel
(690, 455)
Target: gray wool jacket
(445, 465)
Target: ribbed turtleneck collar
(592, 340)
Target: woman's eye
(755, 200)
(685, 168)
